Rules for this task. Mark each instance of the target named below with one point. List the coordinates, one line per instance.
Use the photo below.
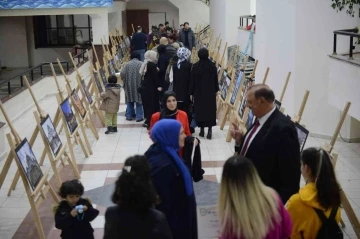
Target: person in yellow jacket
(322, 191)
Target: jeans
(130, 111)
(142, 53)
(111, 119)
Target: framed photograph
(222, 79)
(69, 115)
(103, 76)
(278, 104)
(118, 60)
(250, 120)
(111, 68)
(29, 163)
(236, 88)
(98, 83)
(302, 135)
(87, 93)
(218, 71)
(247, 83)
(225, 88)
(78, 104)
(52, 136)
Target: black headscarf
(204, 64)
(166, 113)
(161, 49)
(203, 54)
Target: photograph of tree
(78, 104)
(69, 115)
(52, 136)
(236, 88)
(103, 76)
(29, 163)
(225, 88)
(87, 93)
(98, 83)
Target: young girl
(247, 208)
(74, 214)
(111, 103)
(322, 191)
(134, 215)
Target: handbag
(171, 87)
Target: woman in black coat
(163, 63)
(134, 216)
(203, 89)
(172, 179)
(150, 86)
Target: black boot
(192, 130)
(114, 129)
(202, 132)
(109, 130)
(209, 134)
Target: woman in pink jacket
(247, 208)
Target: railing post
(32, 75)
(41, 70)
(67, 66)
(351, 49)
(334, 47)
(9, 88)
(21, 82)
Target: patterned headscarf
(150, 56)
(183, 53)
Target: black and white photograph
(118, 60)
(225, 88)
(222, 79)
(218, 70)
(111, 68)
(302, 135)
(87, 93)
(69, 116)
(236, 88)
(103, 77)
(52, 136)
(29, 163)
(98, 83)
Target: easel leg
(53, 193)
(6, 168)
(38, 224)
(223, 121)
(82, 145)
(100, 116)
(71, 150)
(86, 139)
(73, 165)
(14, 182)
(93, 129)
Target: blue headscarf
(166, 134)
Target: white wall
(40, 55)
(192, 11)
(300, 44)
(172, 12)
(13, 47)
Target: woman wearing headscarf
(163, 62)
(172, 179)
(180, 78)
(203, 89)
(150, 86)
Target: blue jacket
(179, 209)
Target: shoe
(209, 134)
(202, 133)
(114, 129)
(145, 125)
(109, 130)
(192, 130)
(129, 119)
(140, 120)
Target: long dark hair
(134, 189)
(322, 170)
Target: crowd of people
(260, 195)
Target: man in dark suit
(271, 143)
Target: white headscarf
(150, 56)
(183, 53)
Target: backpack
(330, 228)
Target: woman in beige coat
(111, 103)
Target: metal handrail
(247, 17)
(346, 32)
(31, 70)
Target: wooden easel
(344, 200)
(92, 106)
(39, 116)
(282, 109)
(75, 135)
(266, 75)
(37, 196)
(297, 117)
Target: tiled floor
(99, 172)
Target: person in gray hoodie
(187, 36)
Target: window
(62, 30)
